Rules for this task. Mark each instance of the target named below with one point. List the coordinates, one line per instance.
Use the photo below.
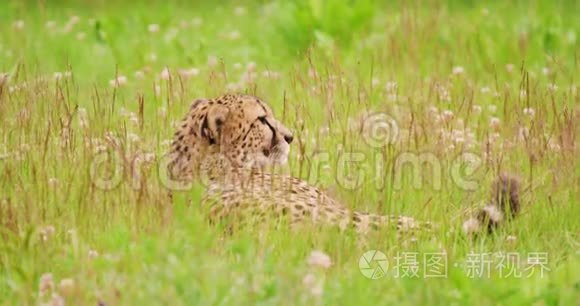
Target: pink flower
(165, 74)
(46, 284)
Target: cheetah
(235, 142)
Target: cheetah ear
(197, 102)
(213, 122)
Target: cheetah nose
(289, 138)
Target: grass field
(460, 89)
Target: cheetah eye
(263, 119)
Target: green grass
(321, 66)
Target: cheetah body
(235, 143)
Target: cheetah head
(246, 132)
(241, 128)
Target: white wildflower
(171, 34)
(57, 300)
(433, 110)
(74, 19)
(391, 86)
(139, 74)
(83, 118)
(183, 24)
(458, 70)
(553, 145)
(251, 66)
(571, 37)
(148, 157)
(523, 133)
(312, 284)
(196, 22)
(240, 11)
(312, 73)
(133, 118)
(319, 259)
(66, 286)
(494, 122)
(271, 74)
(52, 182)
(46, 284)
(188, 73)
(93, 254)
(132, 137)
(153, 28)
(18, 24)
(124, 112)
(100, 148)
(471, 226)
(234, 35)
(249, 77)
(51, 24)
(233, 86)
(70, 24)
(546, 71)
(212, 61)
(447, 115)
(157, 90)
(165, 74)
(162, 112)
(119, 81)
(444, 94)
(152, 57)
(530, 112)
